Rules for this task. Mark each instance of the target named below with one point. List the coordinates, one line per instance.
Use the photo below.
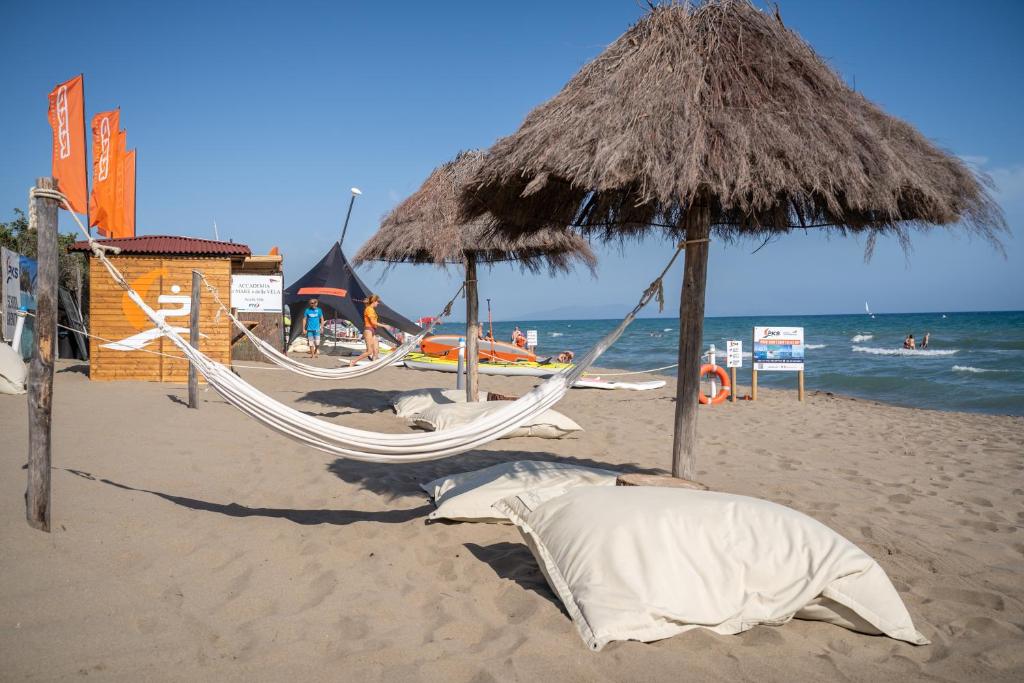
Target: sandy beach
(196, 544)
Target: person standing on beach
(311, 323)
(370, 324)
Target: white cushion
(548, 425)
(13, 371)
(469, 496)
(409, 403)
(645, 563)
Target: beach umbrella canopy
(715, 119)
(428, 227)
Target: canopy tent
(334, 282)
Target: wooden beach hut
(124, 344)
(267, 325)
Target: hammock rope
(359, 444)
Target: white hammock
(357, 444)
(345, 372)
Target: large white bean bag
(409, 403)
(645, 563)
(13, 371)
(469, 496)
(550, 424)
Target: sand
(196, 544)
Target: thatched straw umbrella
(427, 228)
(717, 118)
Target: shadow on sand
(404, 479)
(338, 517)
(80, 368)
(359, 400)
(515, 562)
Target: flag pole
(85, 143)
(135, 192)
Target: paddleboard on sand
(598, 383)
(420, 361)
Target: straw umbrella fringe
(716, 119)
(427, 228)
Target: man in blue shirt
(312, 321)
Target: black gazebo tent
(334, 282)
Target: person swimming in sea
(908, 343)
(925, 340)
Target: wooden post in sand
(697, 222)
(472, 332)
(753, 384)
(193, 339)
(800, 385)
(40, 373)
(732, 383)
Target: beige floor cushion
(548, 425)
(13, 371)
(469, 496)
(645, 563)
(409, 403)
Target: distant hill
(591, 312)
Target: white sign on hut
(256, 293)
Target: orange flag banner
(128, 221)
(102, 202)
(117, 224)
(67, 119)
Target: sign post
(779, 349)
(733, 360)
(531, 339)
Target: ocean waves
(978, 371)
(862, 338)
(915, 353)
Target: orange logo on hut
(150, 333)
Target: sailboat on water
(867, 309)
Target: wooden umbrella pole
(40, 374)
(472, 329)
(691, 333)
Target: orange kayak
(447, 346)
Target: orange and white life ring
(723, 377)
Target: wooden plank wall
(114, 316)
(269, 329)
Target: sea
(974, 363)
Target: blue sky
(261, 116)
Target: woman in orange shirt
(370, 324)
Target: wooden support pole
(472, 332)
(40, 373)
(753, 384)
(691, 333)
(193, 339)
(732, 382)
(800, 385)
